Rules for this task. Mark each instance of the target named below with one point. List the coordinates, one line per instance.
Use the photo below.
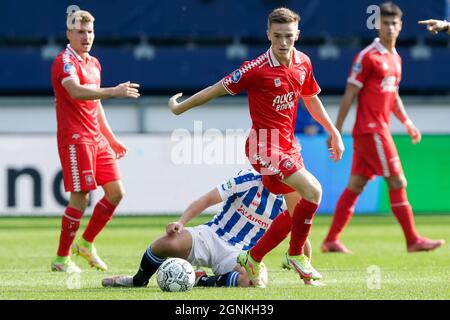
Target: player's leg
(102, 214)
(104, 209)
(343, 213)
(77, 166)
(274, 235)
(236, 278)
(227, 273)
(176, 246)
(392, 171)
(70, 223)
(310, 190)
(106, 174)
(366, 163)
(403, 213)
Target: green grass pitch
(380, 268)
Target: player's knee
(398, 182)
(313, 193)
(357, 186)
(114, 197)
(79, 201)
(165, 247)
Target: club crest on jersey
(357, 67)
(288, 164)
(237, 75)
(302, 77)
(89, 180)
(277, 82)
(69, 68)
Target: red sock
(277, 232)
(403, 212)
(69, 226)
(344, 211)
(103, 212)
(301, 226)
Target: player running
(275, 81)
(248, 209)
(374, 79)
(88, 148)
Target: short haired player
(374, 80)
(274, 82)
(88, 148)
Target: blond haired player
(88, 148)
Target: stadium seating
(189, 40)
(206, 18)
(183, 68)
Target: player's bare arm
(318, 112)
(435, 26)
(351, 92)
(400, 112)
(80, 92)
(193, 210)
(118, 147)
(197, 99)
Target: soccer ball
(175, 275)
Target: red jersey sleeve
(310, 86)
(361, 68)
(65, 70)
(241, 79)
(99, 67)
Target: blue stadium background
(178, 44)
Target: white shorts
(208, 250)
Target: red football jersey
(378, 73)
(273, 93)
(77, 120)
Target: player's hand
(174, 228)
(413, 132)
(329, 142)
(127, 90)
(434, 26)
(119, 148)
(336, 146)
(173, 103)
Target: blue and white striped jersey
(247, 211)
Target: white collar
(75, 54)
(382, 49)
(273, 61)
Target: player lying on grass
(247, 211)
